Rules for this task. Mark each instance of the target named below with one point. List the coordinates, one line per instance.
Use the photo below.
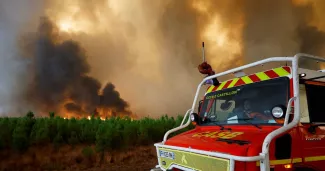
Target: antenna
(203, 54)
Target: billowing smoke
(61, 77)
(149, 50)
(282, 28)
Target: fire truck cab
(269, 120)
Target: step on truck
(273, 120)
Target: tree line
(114, 133)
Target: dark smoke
(72, 107)
(111, 99)
(154, 45)
(61, 76)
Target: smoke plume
(61, 73)
(145, 52)
(281, 28)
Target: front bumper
(188, 159)
(169, 158)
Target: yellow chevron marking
(262, 76)
(281, 72)
(233, 82)
(222, 85)
(247, 80)
(210, 88)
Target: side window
(303, 105)
(315, 99)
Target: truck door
(312, 128)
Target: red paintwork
(288, 69)
(251, 133)
(300, 146)
(227, 84)
(271, 74)
(254, 78)
(240, 82)
(254, 135)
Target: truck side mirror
(312, 128)
(194, 118)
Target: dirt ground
(67, 158)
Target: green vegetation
(111, 134)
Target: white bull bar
(263, 157)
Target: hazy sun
(65, 26)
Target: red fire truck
(269, 120)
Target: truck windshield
(246, 104)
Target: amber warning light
(288, 166)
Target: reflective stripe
(222, 85)
(262, 76)
(247, 80)
(283, 161)
(210, 88)
(297, 160)
(234, 81)
(278, 162)
(281, 71)
(314, 158)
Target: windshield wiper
(246, 120)
(230, 141)
(221, 127)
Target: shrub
(20, 139)
(30, 114)
(52, 114)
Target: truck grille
(169, 157)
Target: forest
(114, 133)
